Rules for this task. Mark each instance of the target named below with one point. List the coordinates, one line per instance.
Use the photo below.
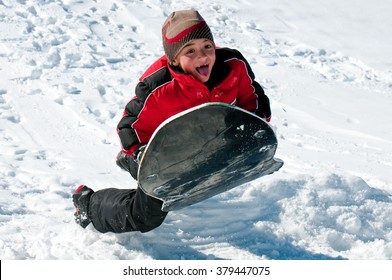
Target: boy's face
(197, 59)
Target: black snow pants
(123, 210)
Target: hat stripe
(182, 34)
(181, 27)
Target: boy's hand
(264, 111)
(122, 160)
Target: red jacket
(164, 91)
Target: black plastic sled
(205, 151)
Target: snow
(69, 67)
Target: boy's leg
(118, 210)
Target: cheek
(212, 56)
(187, 65)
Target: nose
(202, 54)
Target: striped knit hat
(181, 27)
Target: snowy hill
(67, 69)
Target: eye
(209, 47)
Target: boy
(192, 72)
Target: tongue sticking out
(203, 70)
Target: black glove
(131, 164)
(123, 160)
(264, 110)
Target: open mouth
(203, 70)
